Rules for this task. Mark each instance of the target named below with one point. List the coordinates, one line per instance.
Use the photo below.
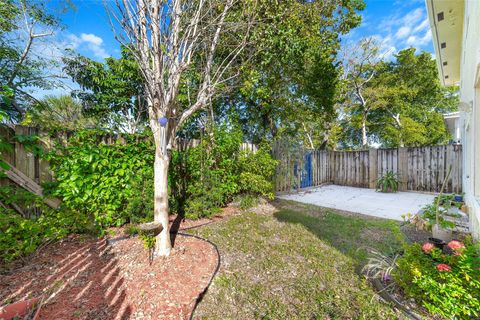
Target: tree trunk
(364, 132)
(399, 125)
(309, 137)
(163, 244)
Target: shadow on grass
(351, 234)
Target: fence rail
(418, 169)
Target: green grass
(298, 263)
(352, 234)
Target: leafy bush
(21, 235)
(448, 200)
(256, 172)
(441, 205)
(112, 182)
(104, 185)
(208, 176)
(388, 182)
(446, 284)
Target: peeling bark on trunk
(163, 243)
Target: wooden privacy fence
(418, 169)
(30, 166)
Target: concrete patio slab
(364, 201)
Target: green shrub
(207, 177)
(388, 182)
(256, 172)
(112, 182)
(20, 235)
(447, 285)
(132, 230)
(429, 215)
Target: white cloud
(91, 38)
(89, 41)
(403, 32)
(425, 25)
(413, 16)
(386, 45)
(420, 41)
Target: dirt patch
(414, 235)
(88, 279)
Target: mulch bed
(84, 278)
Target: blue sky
(397, 24)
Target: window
(443, 45)
(440, 16)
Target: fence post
(372, 167)
(403, 168)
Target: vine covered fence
(25, 144)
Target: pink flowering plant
(446, 282)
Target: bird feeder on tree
(163, 128)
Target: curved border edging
(388, 297)
(217, 267)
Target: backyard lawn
(299, 261)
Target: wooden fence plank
(419, 168)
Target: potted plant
(388, 182)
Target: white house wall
(470, 119)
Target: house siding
(470, 120)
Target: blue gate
(307, 176)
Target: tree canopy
(289, 84)
(403, 102)
(22, 24)
(113, 91)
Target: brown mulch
(89, 279)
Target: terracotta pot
(18, 309)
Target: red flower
(456, 246)
(427, 247)
(443, 267)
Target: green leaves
(20, 235)
(451, 294)
(388, 182)
(405, 102)
(110, 182)
(21, 68)
(207, 177)
(112, 91)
